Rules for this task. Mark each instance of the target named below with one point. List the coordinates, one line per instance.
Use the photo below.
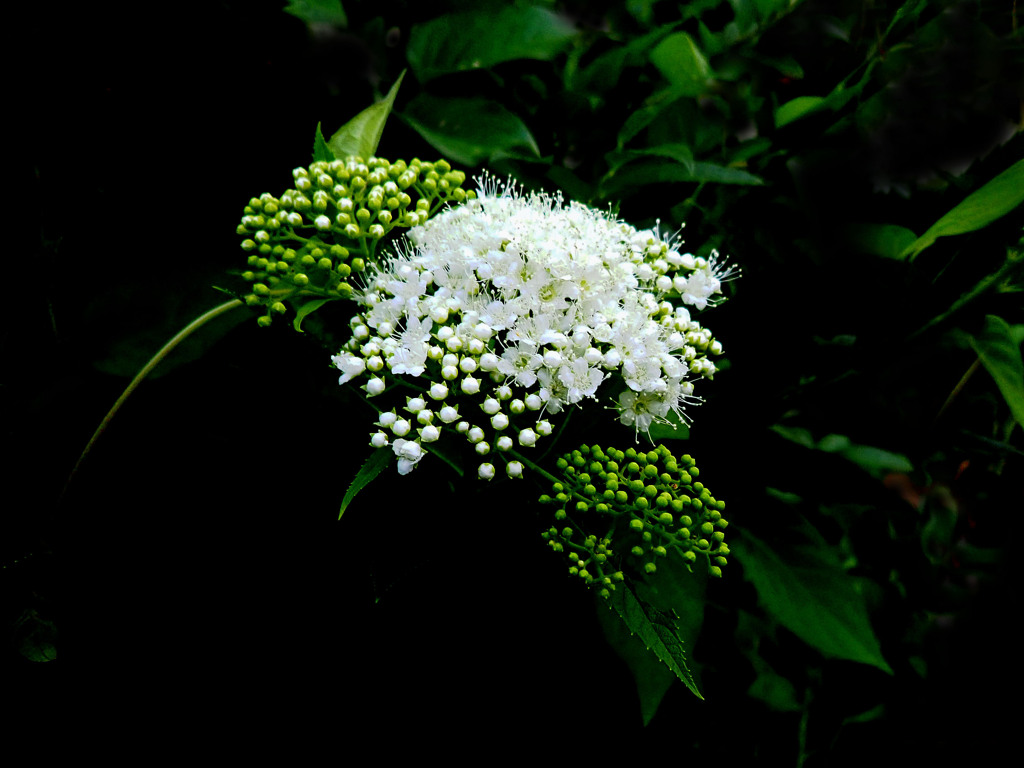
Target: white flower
(548, 300)
(448, 414)
(634, 410)
(350, 365)
(409, 453)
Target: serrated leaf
(361, 135)
(810, 594)
(478, 40)
(318, 11)
(470, 131)
(372, 467)
(306, 309)
(1001, 356)
(321, 151)
(652, 678)
(656, 630)
(979, 209)
(683, 64)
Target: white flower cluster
(511, 307)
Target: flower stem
(142, 374)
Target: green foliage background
(861, 161)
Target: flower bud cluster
(308, 242)
(510, 307)
(626, 511)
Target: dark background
(201, 583)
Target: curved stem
(142, 374)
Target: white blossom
(549, 300)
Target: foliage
(861, 162)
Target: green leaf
(483, 38)
(372, 467)
(646, 114)
(979, 209)
(470, 131)
(643, 171)
(797, 108)
(604, 72)
(321, 151)
(657, 630)
(665, 612)
(683, 64)
(681, 153)
(1001, 356)
(802, 106)
(798, 435)
(652, 678)
(318, 11)
(876, 461)
(721, 174)
(810, 594)
(307, 308)
(35, 637)
(834, 443)
(361, 135)
(886, 240)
